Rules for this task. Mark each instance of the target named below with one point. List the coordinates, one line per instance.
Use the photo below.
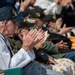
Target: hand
(2, 74)
(57, 1)
(28, 40)
(40, 35)
(39, 44)
(66, 3)
(51, 60)
(62, 46)
(58, 24)
(65, 29)
(32, 38)
(24, 4)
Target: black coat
(68, 15)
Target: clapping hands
(32, 38)
(24, 4)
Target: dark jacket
(68, 15)
(52, 50)
(6, 3)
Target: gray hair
(1, 23)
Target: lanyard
(5, 40)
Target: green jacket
(51, 49)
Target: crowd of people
(38, 36)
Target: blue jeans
(70, 55)
(34, 68)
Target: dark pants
(34, 68)
(70, 55)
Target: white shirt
(20, 59)
(53, 9)
(49, 6)
(43, 3)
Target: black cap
(18, 19)
(25, 24)
(48, 18)
(52, 19)
(5, 13)
(35, 12)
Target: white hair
(1, 23)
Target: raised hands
(66, 3)
(51, 60)
(62, 46)
(65, 29)
(32, 38)
(24, 4)
(58, 24)
(57, 1)
(40, 43)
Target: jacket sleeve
(22, 58)
(50, 48)
(53, 9)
